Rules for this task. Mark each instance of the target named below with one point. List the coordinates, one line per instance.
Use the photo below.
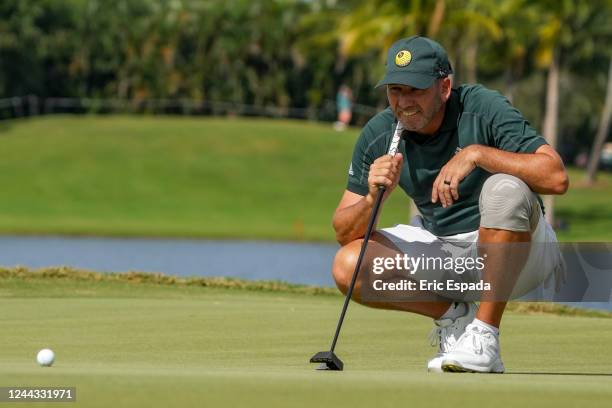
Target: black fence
(28, 106)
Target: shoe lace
(439, 331)
(434, 336)
(445, 333)
(473, 338)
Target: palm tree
(469, 26)
(566, 31)
(602, 132)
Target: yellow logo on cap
(403, 58)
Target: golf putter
(328, 359)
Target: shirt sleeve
(368, 147)
(511, 131)
(359, 167)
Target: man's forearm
(541, 172)
(350, 223)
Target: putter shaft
(366, 238)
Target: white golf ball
(45, 357)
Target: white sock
(486, 326)
(455, 310)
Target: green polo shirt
(474, 115)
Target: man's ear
(445, 88)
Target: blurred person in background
(344, 105)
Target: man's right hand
(353, 212)
(385, 171)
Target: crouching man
(474, 168)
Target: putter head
(329, 361)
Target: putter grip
(396, 139)
(393, 147)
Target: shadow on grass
(553, 373)
(5, 125)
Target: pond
(306, 263)
(293, 262)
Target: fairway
(205, 177)
(128, 344)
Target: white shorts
(543, 261)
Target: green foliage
(238, 51)
(296, 53)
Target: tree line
(550, 57)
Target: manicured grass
(125, 344)
(209, 177)
(586, 210)
(173, 177)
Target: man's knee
(507, 203)
(344, 264)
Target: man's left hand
(446, 186)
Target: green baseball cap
(417, 62)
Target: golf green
(126, 344)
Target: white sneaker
(446, 333)
(477, 351)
